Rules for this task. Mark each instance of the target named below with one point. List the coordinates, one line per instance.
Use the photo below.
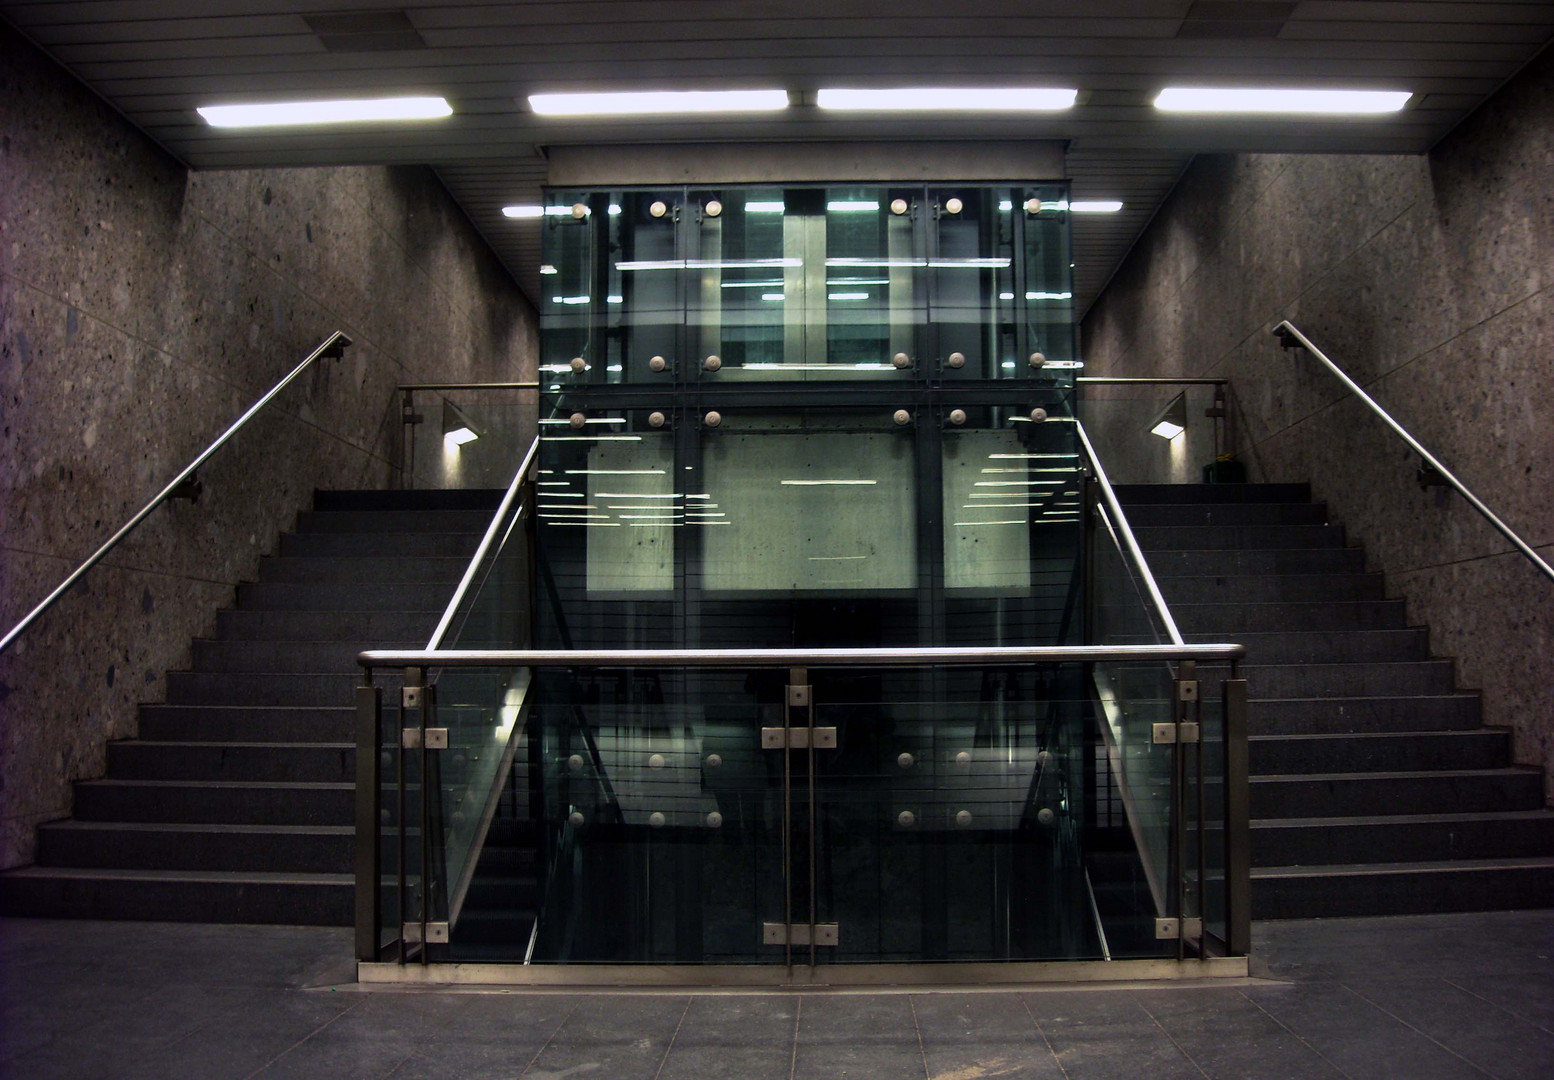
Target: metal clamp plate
(798, 738)
(436, 933)
(1188, 731)
(776, 933)
(799, 696)
(1187, 690)
(436, 738)
(410, 697)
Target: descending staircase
(1375, 787)
(235, 803)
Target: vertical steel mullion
(813, 821)
(401, 884)
(1203, 847)
(426, 820)
(787, 833)
(369, 739)
(1238, 825)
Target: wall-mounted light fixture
(457, 428)
(1172, 420)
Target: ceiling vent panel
(365, 31)
(1234, 19)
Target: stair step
(1220, 619)
(1482, 748)
(1225, 515)
(487, 499)
(1380, 793)
(1319, 560)
(178, 896)
(1412, 837)
(386, 544)
(1209, 537)
(302, 657)
(251, 724)
(1408, 678)
(217, 761)
(351, 626)
(1328, 646)
(263, 688)
(337, 596)
(1414, 888)
(394, 521)
(224, 803)
(1141, 494)
(1269, 588)
(364, 569)
(316, 849)
(1340, 715)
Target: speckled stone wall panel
(1428, 278)
(142, 309)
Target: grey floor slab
(1419, 998)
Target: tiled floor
(1413, 998)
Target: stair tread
(1447, 733)
(1433, 866)
(92, 873)
(1402, 819)
(1394, 774)
(310, 785)
(72, 824)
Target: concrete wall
(142, 308)
(1429, 279)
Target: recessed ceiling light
(293, 113)
(1095, 206)
(932, 98)
(1253, 99)
(667, 101)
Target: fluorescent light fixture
(775, 283)
(1257, 99)
(563, 211)
(1095, 206)
(615, 472)
(847, 296)
(1016, 521)
(640, 103)
(829, 483)
(294, 113)
(858, 281)
(709, 264)
(525, 212)
(637, 495)
(989, 263)
(764, 208)
(571, 301)
(948, 98)
(876, 262)
(851, 206)
(1172, 420)
(1049, 296)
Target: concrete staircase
(235, 803)
(1375, 788)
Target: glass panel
(1119, 419)
(490, 432)
(1011, 510)
(664, 820)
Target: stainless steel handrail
(616, 658)
(1121, 521)
(467, 386)
(334, 346)
(1288, 329)
(1162, 380)
(485, 545)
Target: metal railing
(1287, 333)
(184, 485)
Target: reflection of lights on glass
(775, 283)
(1049, 296)
(548, 269)
(571, 301)
(829, 483)
(772, 296)
(852, 206)
(763, 207)
(847, 296)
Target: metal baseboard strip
(767, 977)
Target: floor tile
(1228, 1036)
(1501, 1044)
(1107, 1035)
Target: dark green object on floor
(1224, 470)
